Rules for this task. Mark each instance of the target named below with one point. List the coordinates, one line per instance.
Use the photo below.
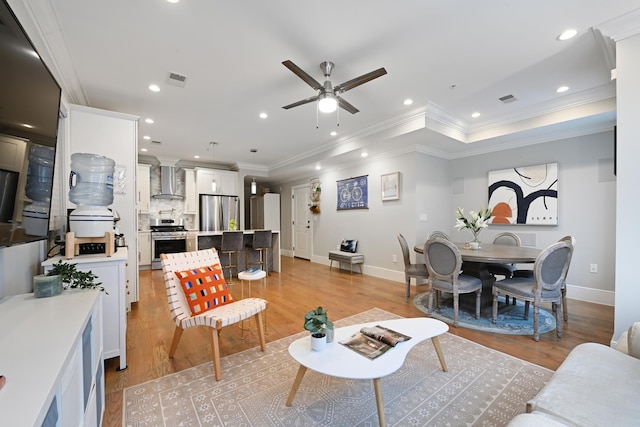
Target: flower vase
(475, 243)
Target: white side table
(246, 276)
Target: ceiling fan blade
(346, 106)
(302, 102)
(302, 74)
(348, 85)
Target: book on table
(252, 271)
(374, 341)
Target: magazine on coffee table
(374, 341)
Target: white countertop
(219, 233)
(121, 254)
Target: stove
(168, 236)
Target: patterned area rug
(510, 319)
(482, 387)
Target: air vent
(507, 99)
(176, 79)
(156, 142)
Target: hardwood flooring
(298, 288)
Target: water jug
(91, 180)
(40, 173)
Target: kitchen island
(213, 239)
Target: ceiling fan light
(327, 103)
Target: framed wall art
(353, 193)
(390, 186)
(525, 195)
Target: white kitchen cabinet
(114, 135)
(111, 272)
(56, 376)
(192, 241)
(214, 181)
(190, 192)
(144, 248)
(143, 188)
(265, 212)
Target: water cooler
(35, 217)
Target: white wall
(586, 205)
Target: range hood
(168, 184)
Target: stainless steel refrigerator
(217, 210)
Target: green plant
(73, 278)
(315, 321)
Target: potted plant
(73, 278)
(317, 322)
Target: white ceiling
(452, 57)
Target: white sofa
(596, 385)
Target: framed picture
(353, 193)
(390, 186)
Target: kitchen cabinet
(144, 248)
(214, 181)
(55, 377)
(111, 272)
(114, 135)
(190, 192)
(143, 188)
(192, 241)
(265, 212)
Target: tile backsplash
(166, 208)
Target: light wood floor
(300, 287)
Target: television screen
(29, 106)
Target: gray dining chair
(440, 234)
(505, 270)
(417, 270)
(444, 264)
(549, 273)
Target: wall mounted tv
(29, 106)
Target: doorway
(302, 225)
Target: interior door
(302, 232)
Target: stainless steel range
(168, 236)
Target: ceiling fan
(328, 97)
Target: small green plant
(316, 321)
(73, 278)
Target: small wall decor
(390, 186)
(526, 195)
(353, 193)
(315, 191)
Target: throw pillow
(349, 246)
(204, 288)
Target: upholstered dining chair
(417, 270)
(506, 270)
(215, 311)
(549, 273)
(444, 264)
(440, 234)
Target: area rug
(510, 320)
(482, 387)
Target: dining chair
(506, 270)
(444, 264)
(209, 303)
(529, 274)
(549, 273)
(417, 270)
(440, 234)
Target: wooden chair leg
(176, 339)
(407, 289)
(456, 306)
(478, 302)
(215, 350)
(494, 316)
(261, 331)
(565, 310)
(536, 322)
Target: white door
(302, 233)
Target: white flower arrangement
(478, 221)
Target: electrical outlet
(593, 268)
(395, 258)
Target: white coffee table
(339, 361)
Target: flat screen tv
(29, 106)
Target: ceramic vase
(318, 343)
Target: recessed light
(27, 125)
(408, 101)
(562, 89)
(154, 88)
(147, 137)
(263, 115)
(150, 121)
(333, 133)
(475, 115)
(318, 167)
(144, 150)
(196, 157)
(173, 1)
(567, 34)
(364, 154)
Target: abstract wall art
(524, 195)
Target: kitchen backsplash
(166, 208)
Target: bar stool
(232, 243)
(261, 243)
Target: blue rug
(510, 320)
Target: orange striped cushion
(204, 288)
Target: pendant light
(214, 184)
(254, 184)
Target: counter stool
(261, 243)
(246, 276)
(232, 243)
